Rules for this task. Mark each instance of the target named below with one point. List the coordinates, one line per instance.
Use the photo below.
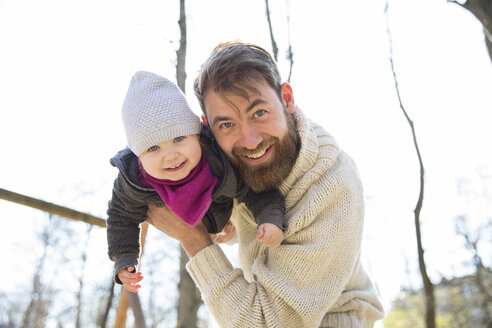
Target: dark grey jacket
(127, 208)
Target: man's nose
(250, 138)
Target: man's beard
(270, 175)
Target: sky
(65, 67)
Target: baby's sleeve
(123, 227)
(266, 206)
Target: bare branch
(290, 54)
(103, 320)
(274, 44)
(78, 317)
(483, 274)
(181, 52)
(428, 286)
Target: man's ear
(204, 120)
(288, 97)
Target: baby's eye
(226, 125)
(153, 148)
(178, 139)
(260, 113)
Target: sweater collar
(318, 148)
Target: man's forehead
(233, 101)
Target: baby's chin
(175, 177)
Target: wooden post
(122, 309)
(51, 208)
(126, 299)
(131, 299)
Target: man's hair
(231, 66)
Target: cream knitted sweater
(315, 278)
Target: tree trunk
(136, 306)
(78, 318)
(430, 312)
(482, 10)
(189, 297)
(37, 310)
(103, 321)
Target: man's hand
(228, 234)
(193, 239)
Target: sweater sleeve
(125, 215)
(296, 284)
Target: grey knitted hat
(155, 110)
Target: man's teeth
(257, 154)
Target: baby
(173, 160)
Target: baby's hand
(269, 234)
(130, 279)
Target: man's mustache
(262, 146)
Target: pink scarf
(188, 198)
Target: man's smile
(257, 154)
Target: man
(314, 278)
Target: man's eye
(260, 113)
(226, 125)
(178, 139)
(153, 148)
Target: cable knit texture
(315, 278)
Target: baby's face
(172, 159)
